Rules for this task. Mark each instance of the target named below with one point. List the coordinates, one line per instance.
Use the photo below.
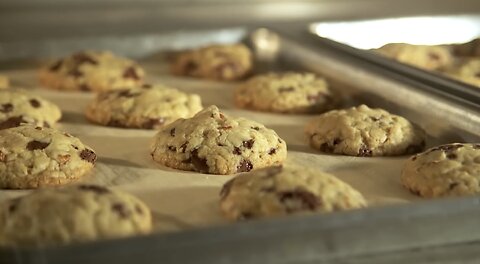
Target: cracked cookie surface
(32, 157)
(364, 132)
(149, 107)
(78, 213)
(19, 107)
(279, 191)
(91, 71)
(288, 92)
(211, 142)
(446, 170)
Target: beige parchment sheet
(181, 200)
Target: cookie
(278, 191)
(32, 157)
(426, 57)
(446, 170)
(211, 142)
(466, 71)
(469, 49)
(288, 92)
(149, 107)
(18, 107)
(364, 132)
(81, 213)
(91, 71)
(4, 82)
(215, 62)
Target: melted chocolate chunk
(153, 123)
(56, 66)
(121, 210)
(172, 132)
(131, 73)
(6, 108)
(34, 145)
(307, 199)
(256, 128)
(75, 147)
(272, 151)
(225, 191)
(248, 144)
(286, 89)
(94, 188)
(172, 148)
(237, 151)
(364, 151)
(35, 103)
(244, 166)
(12, 122)
(200, 164)
(88, 155)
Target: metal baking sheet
(195, 232)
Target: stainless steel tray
(414, 231)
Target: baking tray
(358, 37)
(397, 222)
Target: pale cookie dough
(426, 57)
(211, 142)
(280, 191)
(20, 107)
(149, 107)
(364, 132)
(466, 71)
(78, 213)
(91, 71)
(447, 170)
(288, 92)
(216, 62)
(32, 157)
(4, 82)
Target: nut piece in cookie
(288, 92)
(91, 71)
(147, 107)
(33, 157)
(446, 170)
(78, 213)
(277, 191)
(364, 132)
(212, 142)
(19, 107)
(216, 62)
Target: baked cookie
(288, 92)
(211, 142)
(151, 106)
(91, 71)
(364, 132)
(469, 49)
(426, 57)
(279, 191)
(216, 62)
(447, 170)
(18, 107)
(466, 71)
(32, 157)
(4, 82)
(78, 213)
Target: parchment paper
(181, 200)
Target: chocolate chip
(12, 122)
(93, 188)
(35, 103)
(3, 157)
(272, 151)
(183, 147)
(172, 148)
(414, 158)
(88, 155)
(126, 93)
(172, 132)
(307, 199)
(85, 88)
(286, 89)
(248, 144)
(225, 191)
(63, 159)
(6, 108)
(200, 164)
(56, 66)
(237, 151)
(256, 128)
(451, 156)
(38, 128)
(244, 166)
(121, 210)
(131, 73)
(452, 185)
(34, 145)
(81, 58)
(279, 141)
(374, 119)
(75, 147)
(153, 123)
(364, 151)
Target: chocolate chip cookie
(280, 191)
(32, 157)
(149, 107)
(20, 107)
(446, 170)
(81, 213)
(212, 142)
(288, 92)
(426, 57)
(91, 71)
(364, 132)
(216, 62)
